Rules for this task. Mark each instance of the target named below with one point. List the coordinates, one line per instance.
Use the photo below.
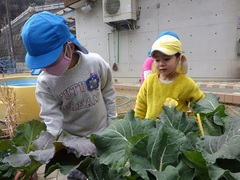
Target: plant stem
(31, 171)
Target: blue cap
(44, 35)
(162, 34)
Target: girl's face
(166, 65)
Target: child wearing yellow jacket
(169, 81)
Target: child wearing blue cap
(170, 80)
(75, 90)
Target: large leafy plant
(170, 148)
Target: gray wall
(209, 32)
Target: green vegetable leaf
(206, 105)
(7, 146)
(44, 148)
(157, 151)
(6, 171)
(115, 143)
(184, 171)
(178, 120)
(222, 152)
(27, 133)
(18, 159)
(210, 107)
(225, 146)
(217, 173)
(80, 145)
(212, 114)
(64, 160)
(101, 171)
(170, 173)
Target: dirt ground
(123, 103)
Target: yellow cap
(170, 45)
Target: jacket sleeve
(196, 94)
(108, 90)
(49, 109)
(141, 102)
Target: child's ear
(180, 59)
(71, 45)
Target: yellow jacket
(153, 93)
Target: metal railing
(8, 66)
(31, 9)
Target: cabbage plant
(171, 148)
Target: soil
(125, 100)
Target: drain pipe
(108, 48)
(118, 48)
(115, 64)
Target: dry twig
(8, 98)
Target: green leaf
(27, 133)
(114, 144)
(21, 153)
(69, 151)
(157, 151)
(206, 105)
(196, 160)
(18, 159)
(178, 120)
(225, 146)
(44, 148)
(209, 107)
(6, 171)
(222, 152)
(44, 141)
(140, 159)
(212, 114)
(170, 173)
(101, 171)
(44, 151)
(217, 173)
(64, 160)
(81, 146)
(7, 146)
(185, 172)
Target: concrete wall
(209, 32)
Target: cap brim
(37, 62)
(78, 45)
(164, 51)
(149, 53)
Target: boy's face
(165, 64)
(64, 61)
(66, 51)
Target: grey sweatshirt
(81, 101)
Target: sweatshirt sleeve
(141, 102)
(50, 111)
(108, 90)
(196, 94)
